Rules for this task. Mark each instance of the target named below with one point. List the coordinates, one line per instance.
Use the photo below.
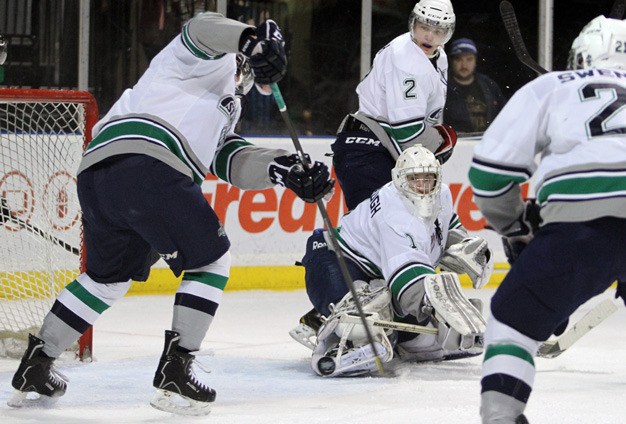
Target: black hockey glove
(527, 224)
(310, 185)
(448, 134)
(266, 53)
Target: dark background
(323, 44)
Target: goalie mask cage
(43, 134)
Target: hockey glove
(266, 53)
(310, 184)
(444, 151)
(523, 231)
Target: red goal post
(43, 134)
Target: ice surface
(262, 376)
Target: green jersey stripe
(210, 279)
(508, 349)
(404, 133)
(366, 264)
(136, 128)
(486, 181)
(407, 276)
(586, 186)
(221, 163)
(191, 46)
(87, 298)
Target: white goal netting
(42, 137)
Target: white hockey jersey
(403, 91)
(387, 241)
(183, 109)
(576, 122)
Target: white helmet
(417, 175)
(435, 13)
(599, 45)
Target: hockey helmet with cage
(417, 175)
(600, 44)
(244, 79)
(434, 13)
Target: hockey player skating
(571, 245)
(400, 104)
(393, 242)
(139, 189)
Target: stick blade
(600, 312)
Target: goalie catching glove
(266, 53)
(310, 184)
(471, 256)
(522, 232)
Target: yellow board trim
(163, 281)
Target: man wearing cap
(473, 99)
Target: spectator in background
(473, 99)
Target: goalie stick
(512, 28)
(549, 349)
(282, 107)
(7, 216)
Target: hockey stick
(618, 9)
(550, 349)
(7, 216)
(512, 28)
(282, 107)
(553, 348)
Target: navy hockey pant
(134, 205)
(565, 265)
(324, 281)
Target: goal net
(42, 137)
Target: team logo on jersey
(434, 116)
(437, 236)
(411, 241)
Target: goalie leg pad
(443, 292)
(342, 348)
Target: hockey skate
(178, 389)
(36, 374)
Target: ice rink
(262, 376)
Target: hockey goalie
(393, 242)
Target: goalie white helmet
(599, 45)
(417, 175)
(434, 16)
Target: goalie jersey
(577, 125)
(388, 241)
(404, 92)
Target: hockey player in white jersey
(400, 104)
(393, 243)
(139, 189)
(569, 246)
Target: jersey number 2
(596, 126)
